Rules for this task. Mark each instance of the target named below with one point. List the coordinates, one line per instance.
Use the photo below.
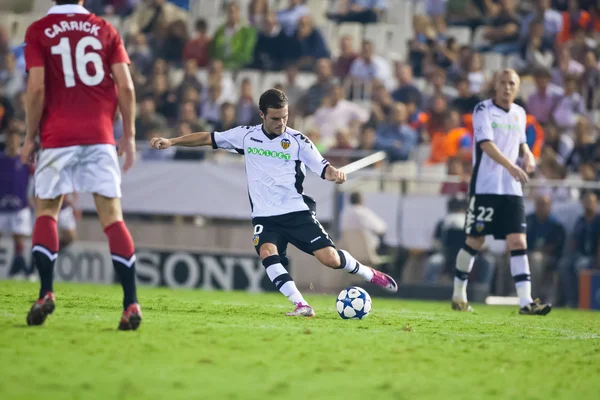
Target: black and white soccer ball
(353, 303)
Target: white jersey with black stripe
(506, 128)
(275, 167)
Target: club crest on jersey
(479, 226)
(255, 240)
(285, 143)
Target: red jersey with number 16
(77, 50)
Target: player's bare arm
(495, 154)
(335, 175)
(191, 140)
(528, 158)
(126, 96)
(34, 101)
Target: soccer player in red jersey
(78, 74)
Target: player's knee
(109, 210)
(475, 242)
(328, 257)
(267, 250)
(47, 207)
(517, 241)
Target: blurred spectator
(141, 54)
(340, 143)
(456, 170)
(367, 138)
(591, 82)
(271, 47)
(475, 73)
(545, 243)
(198, 48)
(573, 17)
(148, 119)
(579, 45)
(363, 11)
(552, 21)
(313, 98)
(419, 45)
(503, 30)
(381, 106)
(465, 13)
(338, 113)
(154, 16)
(396, 137)
(160, 67)
(589, 174)
(210, 109)
(4, 42)
(542, 103)
(562, 145)
(228, 118)
(12, 80)
(417, 119)
(438, 87)
(289, 17)
(342, 65)
(188, 114)
(190, 78)
(437, 116)
(293, 92)
(174, 42)
(406, 86)
(583, 249)
(452, 141)
(460, 67)
(306, 45)
(315, 137)
(584, 148)
(444, 53)
(536, 52)
(570, 107)
(258, 10)
(217, 75)
(165, 100)
(551, 169)
(370, 66)
(246, 110)
(6, 112)
(234, 41)
(358, 217)
(466, 101)
(565, 65)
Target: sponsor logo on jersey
(255, 240)
(285, 143)
(508, 127)
(268, 153)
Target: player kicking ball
(74, 60)
(276, 156)
(496, 195)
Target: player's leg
(464, 264)
(44, 251)
(18, 264)
(122, 251)
(67, 228)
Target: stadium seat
(318, 9)
(527, 88)
(40, 6)
(478, 39)
(462, 34)
(270, 79)
(406, 169)
(20, 23)
(435, 171)
(380, 35)
(306, 79)
(115, 21)
(255, 79)
(493, 61)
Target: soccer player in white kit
(496, 196)
(276, 156)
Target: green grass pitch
(223, 345)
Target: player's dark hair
(272, 98)
(355, 198)
(63, 2)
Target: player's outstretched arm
(495, 154)
(191, 140)
(34, 101)
(333, 174)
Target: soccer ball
(353, 303)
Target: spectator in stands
(584, 148)
(562, 145)
(417, 119)
(307, 45)
(342, 142)
(579, 45)
(420, 45)
(381, 106)
(573, 17)
(437, 116)
(234, 41)
(358, 217)
(444, 53)
(217, 75)
(363, 11)
(464, 13)
(453, 141)
(228, 118)
(455, 169)
(542, 103)
(551, 169)
(7, 112)
(198, 48)
(545, 242)
(188, 114)
(154, 16)
(338, 113)
(293, 92)
(160, 67)
(406, 86)
(476, 73)
(589, 174)
(438, 87)
(148, 119)
(258, 10)
(174, 42)
(583, 249)
(165, 100)
(190, 78)
(271, 47)
(503, 30)
(246, 110)
(367, 138)
(591, 82)
(141, 54)
(370, 66)
(565, 66)
(290, 17)
(396, 137)
(536, 52)
(210, 110)
(552, 21)
(342, 65)
(4, 42)
(466, 100)
(570, 107)
(313, 98)
(12, 80)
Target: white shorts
(83, 169)
(66, 219)
(16, 222)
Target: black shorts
(302, 229)
(495, 214)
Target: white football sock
(519, 269)
(282, 280)
(351, 265)
(464, 264)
